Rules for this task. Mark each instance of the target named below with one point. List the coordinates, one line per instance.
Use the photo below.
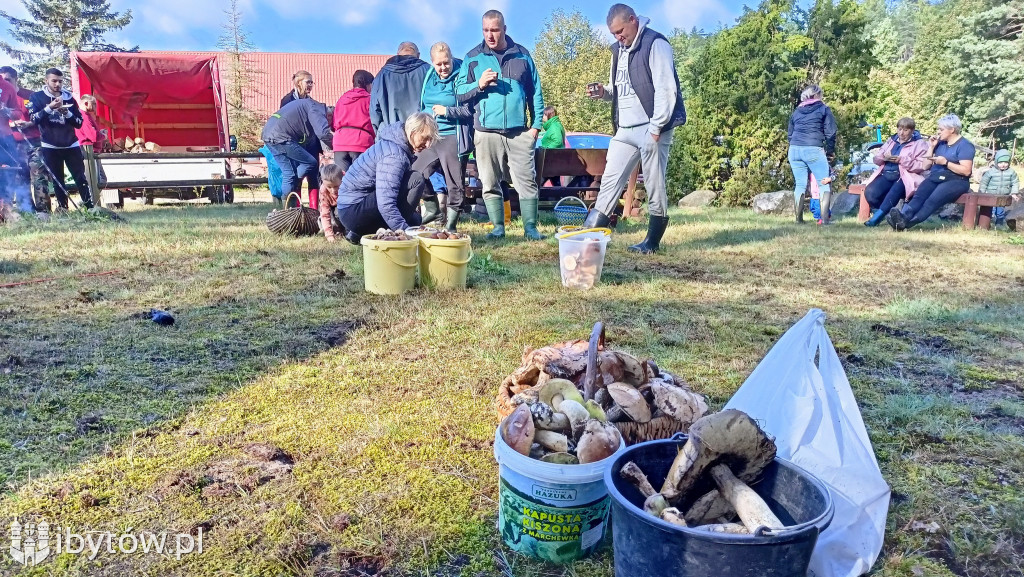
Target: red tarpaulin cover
(174, 101)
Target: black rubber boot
(826, 207)
(799, 210)
(596, 219)
(656, 226)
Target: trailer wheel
(229, 194)
(119, 203)
(215, 194)
(147, 198)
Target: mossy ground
(383, 410)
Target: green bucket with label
(556, 513)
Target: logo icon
(30, 543)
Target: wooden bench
(977, 207)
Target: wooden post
(985, 217)
(970, 211)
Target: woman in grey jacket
(812, 143)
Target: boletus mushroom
(517, 430)
(554, 391)
(544, 417)
(575, 414)
(630, 401)
(680, 404)
(598, 442)
(552, 441)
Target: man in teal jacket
(500, 80)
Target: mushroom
(561, 459)
(595, 410)
(750, 507)
(632, 368)
(632, 473)
(517, 430)
(554, 391)
(576, 416)
(672, 515)
(708, 508)
(680, 404)
(655, 504)
(730, 438)
(603, 398)
(734, 528)
(527, 397)
(544, 417)
(599, 441)
(552, 441)
(610, 367)
(631, 402)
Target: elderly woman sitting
(900, 170)
(381, 190)
(950, 157)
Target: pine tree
(55, 29)
(244, 122)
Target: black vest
(643, 81)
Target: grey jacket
(299, 121)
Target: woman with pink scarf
(900, 170)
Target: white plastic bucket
(581, 258)
(556, 513)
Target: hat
(1003, 155)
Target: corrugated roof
(272, 74)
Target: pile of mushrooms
(581, 263)
(559, 426)
(642, 401)
(707, 486)
(385, 234)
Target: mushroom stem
(711, 506)
(674, 516)
(683, 461)
(734, 528)
(632, 473)
(750, 507)
(655, 504)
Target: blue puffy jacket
(812, 124)
(379, 171)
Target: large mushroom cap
(680, 404)
(631, 402)
(517, 430)
(554, 391)
(729, 437)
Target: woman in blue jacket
(455, 124)
(812, 142)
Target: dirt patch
(90, 423)
(262, 464)
(350, 564)
(338, 275)
(337, 334)
(925, 344)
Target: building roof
(272, 74)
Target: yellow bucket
(444, 264)
(389, 266)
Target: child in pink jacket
(330, 182)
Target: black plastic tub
(646, 546)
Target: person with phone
(55, 111)
(647, 106)
(950, 157)
(900, 170)
(500, 81)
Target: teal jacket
(995, 181)
(512, 105)
(458, 118)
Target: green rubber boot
(496, 212)
(431, 210)
(528, 208)
(453, 219)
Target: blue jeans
(296, 163)
(13, 185)
(806, 160)
(932, 195)
(883, 194)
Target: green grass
(384, 405)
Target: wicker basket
(569, 215)
(298, 221)
(663, 427)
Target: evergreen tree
(244, 122)
(55, 28)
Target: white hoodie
(631, 113)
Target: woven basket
(663, 427)
(570, 215)
(298, 221)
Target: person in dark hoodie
(454, 122)
(812, 146)
(56, 113)
(647, 106)
(900, 170)
(381, 190)
(302, 82)
(287, 135)
(396, 90)
(353, 132)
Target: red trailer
(175, 101)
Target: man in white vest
(647, 105)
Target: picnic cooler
(662, 427)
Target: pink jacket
(912, 157)
(352, 129)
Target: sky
(371, 26)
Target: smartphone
(66, 105)
(593, 88)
